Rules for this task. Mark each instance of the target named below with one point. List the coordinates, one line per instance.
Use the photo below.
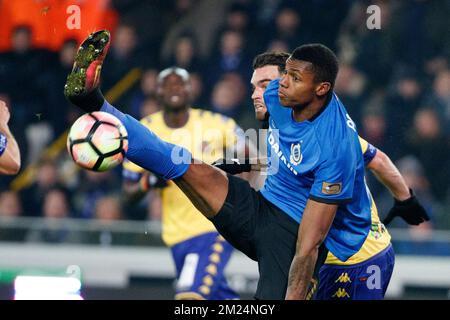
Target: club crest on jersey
(296, 154)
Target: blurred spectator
(10, 208)
(56, 205)
(147, 88)
(53, 230)
(374, 128)
(373, 123)
(440, 98)
(20, 68)
(278, 46)
(47, 178)
(230, 58)
(199, 98)
(377, 49)
(427, 142)
(287, 28)
(107, 211)
(349, 86)
(185, 55)
(238, 18)
(93, 186)
(322, 25)
(122, 57)
(181, 8)
(228, 96)
(10, 205)
(402, 103)
(435, 65)
(20, 73)
(58, 111)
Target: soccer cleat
(85, 74)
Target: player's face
(297, 84)
(174, 92)
(260, 79)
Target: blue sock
(148, 151)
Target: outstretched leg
(204, 185)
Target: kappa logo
(343, 278)
(296, 154)
(331, 188)
(341, 293)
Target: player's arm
(9, 149)
(406, 204)
(316, 222)
(334, 180)
(387, 173)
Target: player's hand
(232, 166)
(4, 115)
(410, 210)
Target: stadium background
(395, 83)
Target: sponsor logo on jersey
(341, 293)
(331, 188)
(343, 278)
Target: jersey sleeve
(335, 176)
(3, 143)
(368, 150)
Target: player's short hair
(182, 73)
(324, 61)
(271, 59)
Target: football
(97, 141)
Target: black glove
(410, 210)
(232, 166)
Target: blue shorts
(367, 280)
(200, 264)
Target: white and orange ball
(97, 141)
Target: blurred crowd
(395, 83)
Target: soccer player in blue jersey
(270, 66)
(319, 183)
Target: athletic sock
(148, 151)
(89, 102)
